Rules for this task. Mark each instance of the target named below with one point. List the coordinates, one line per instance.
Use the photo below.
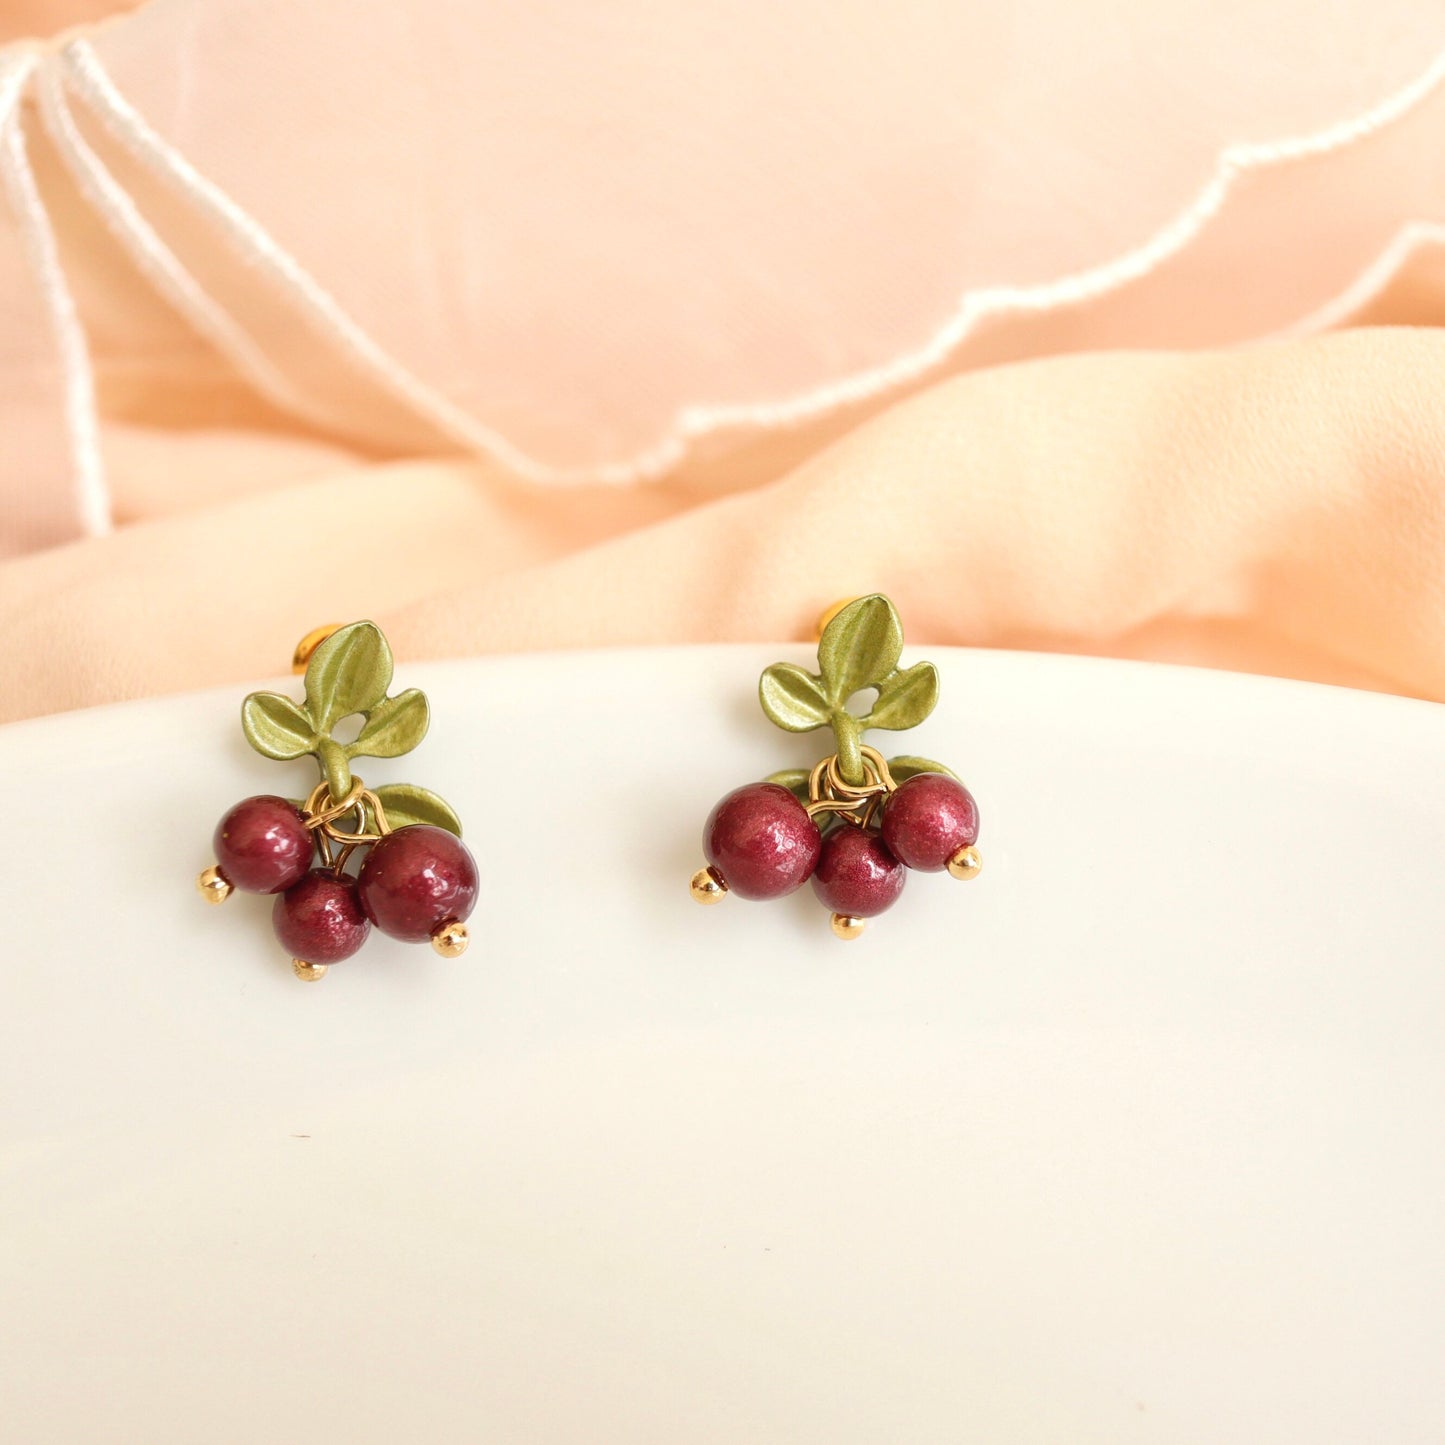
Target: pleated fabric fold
(550, 327)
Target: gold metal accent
(829, 613)
(708, 886)
(966, 863)
(846, 926)
(214, 886)
(322, 811)
(308, 972)
(450, 939)
(310, 643)
(830, 792)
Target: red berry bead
(416, 879)
(320, 919)
(263, 845)
(857, 876)
(928, 819)
(761, 841)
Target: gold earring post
(309, 644)
(829, 613)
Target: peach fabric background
(1077, 326)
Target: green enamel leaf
(407, 805)
(795, 780)
(907, 767)
(859, 647)
(905, 699)
(276, 727)
(792, 698)
(350, 672)
(393, 727)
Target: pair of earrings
(854, 824)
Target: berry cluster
(762, 842)
(415, 883)
(417, 880)
(855, 823)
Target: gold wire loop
(363, 834)
(378, 813)
(318, 816)
(872, 755)
(308, 644)
(844, 806)
(830, 792)
(322, 817)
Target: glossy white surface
(1137, 1137)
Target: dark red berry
(857, 876)
(928, 819)
(320, 919)
(263, 845)
(761, 841)
(416, 879)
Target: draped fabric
(1079, 326)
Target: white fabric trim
(87, 75)
(1339, 310)
(166, 272)
(90, 494)
(251, 241)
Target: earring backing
(417, 880)
(856, 822)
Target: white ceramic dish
(1137, 1137)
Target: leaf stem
(334, 768)
(848, 734)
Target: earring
(856, 822)
(417, 880)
